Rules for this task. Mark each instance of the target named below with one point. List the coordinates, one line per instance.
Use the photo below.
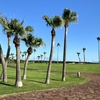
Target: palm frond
(57, 21)
(29, 29)
(47, 19)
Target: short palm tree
(34, 50)
(98, 38)
(53, 22)
(30, 42)
(7, 29)
(84, 54)
(12, 56)
(44, 56)
(78, 53)
(68, 17)
(25, 52)
(41, 57)
(38, 58)
(58, 44)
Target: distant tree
(12, 56)
(78, 53)
(41, 57)
(38, 58)
(44, 55)
(34, 54)
(58, 44)
(84, 54)
(98, 38)
(25, 52)
(22, 56)
(53, 22)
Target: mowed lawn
(36, 74)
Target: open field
(36, 77)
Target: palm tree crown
(69, 16)
(54, 22)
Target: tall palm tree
(19, 30)
(98, 38)
(58, 44)
(44, 55)
(34, 54)
(68, 17)
(7, 29)
(78, 53)
(30, 42)
(53, 22)
(84, 54)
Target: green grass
(36, 77)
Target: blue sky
(81, 34)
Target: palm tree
(3, 63)
(53, 22)
(38, 58)
(25, 53)
(22, 56)
(19, 30)
(98, 38)
(44, 55)
(34, 54)
(58, 44)
(78, 53)
(7, 28)
(30, 42)
(12, 56)
(68, 17)
(84, 54)
(41, 57)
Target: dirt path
(87, 91)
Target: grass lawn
(36, 77)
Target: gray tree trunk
(64, 55)
(3, 74)
(18, 82)
(50, 61)
(25, 67)
(84, 55)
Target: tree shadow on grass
(55, 79)
(3, 83)
(36, 81)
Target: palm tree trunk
(98, 52)
(3, 75)
(4, 62)
(57, 54)
(84, 55)
(79, 58)
(50, 60)
(18, 82)
(25, 67)
(64, 54)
